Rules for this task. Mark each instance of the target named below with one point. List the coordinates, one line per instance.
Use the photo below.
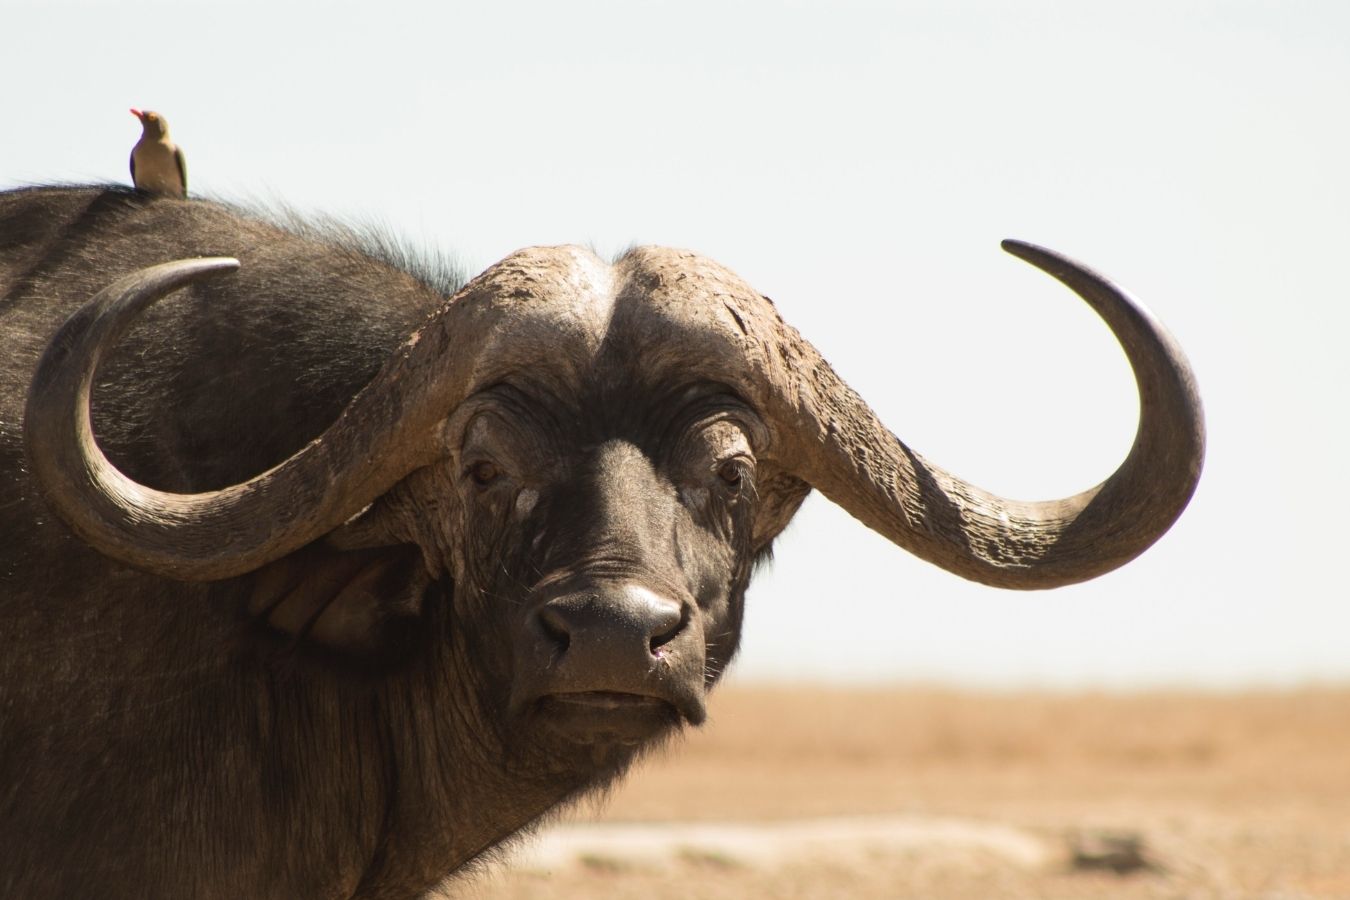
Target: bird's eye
(483, 473)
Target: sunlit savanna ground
(810, 792)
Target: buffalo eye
(483, 473)
(732, 473)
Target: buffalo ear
(351, 602)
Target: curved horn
(842, 448)
(388, 429)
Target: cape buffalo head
(595, 455)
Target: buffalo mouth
(608, 717)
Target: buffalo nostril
(611, 622)
(670, 633)
(553, 622)
(657, 618)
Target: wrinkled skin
(499, 544)
(419, 720)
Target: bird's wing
(182, 167)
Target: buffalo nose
(617, 621)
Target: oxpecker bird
(157, 163)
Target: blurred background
(858, 162)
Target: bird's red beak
(137, 113)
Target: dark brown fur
(527, 543)
(158, 739)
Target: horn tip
(220, 262)
(1024, 249)
(202, 266)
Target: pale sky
(859, 163)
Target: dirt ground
(812, 792)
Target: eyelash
(733, 473)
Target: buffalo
(330, 573)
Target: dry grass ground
(810, 792)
